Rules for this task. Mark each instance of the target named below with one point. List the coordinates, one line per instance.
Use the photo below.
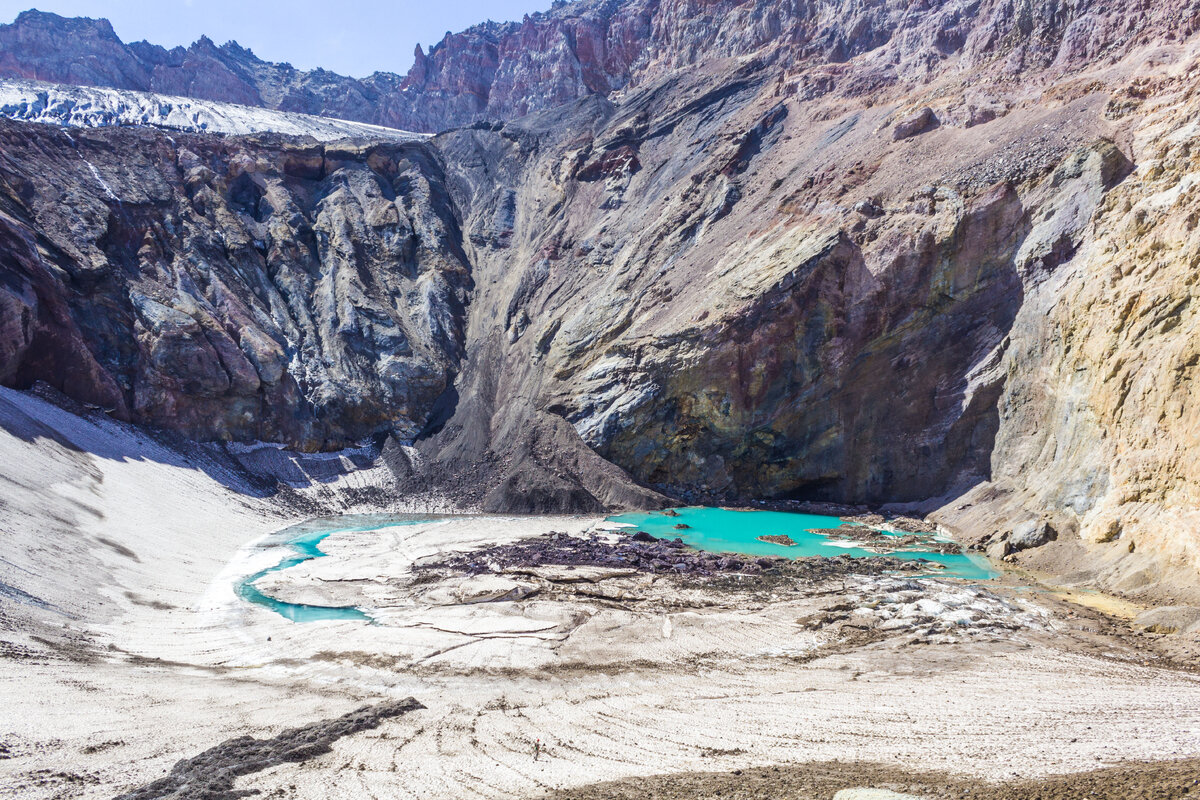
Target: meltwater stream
(304, 542)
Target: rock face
(233, 289)
(46, 47)
(505, 70)
(700, 262)
(1099, 416)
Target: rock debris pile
(928, 611)
(642, 552)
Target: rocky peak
(420, 68)
(38, 46)
(34, 20)
(505, 70)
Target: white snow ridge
(98, 107)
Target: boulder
(1029, 534)
(869, 208)
(998, 550)
(918, 122)
(984, 112)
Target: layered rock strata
(889, 255)
(235, 289)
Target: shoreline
(119, 676)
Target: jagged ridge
(505, 70)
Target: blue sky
(353, 37)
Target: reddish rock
(621, 160)
(505, 70)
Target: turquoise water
(711, 529)
(718, 530)
(305, 541)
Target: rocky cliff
(87, 52)
(499, 71)
(232, 288)
(1099, 414)
(937, 254)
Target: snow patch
(100, 107)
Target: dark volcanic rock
(211, 774)
(231, 289)
(646, 554)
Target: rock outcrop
(692, 258)
(915, 123)
(1099, 415)
(46, 47)
(231, 288)
(498, 71)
